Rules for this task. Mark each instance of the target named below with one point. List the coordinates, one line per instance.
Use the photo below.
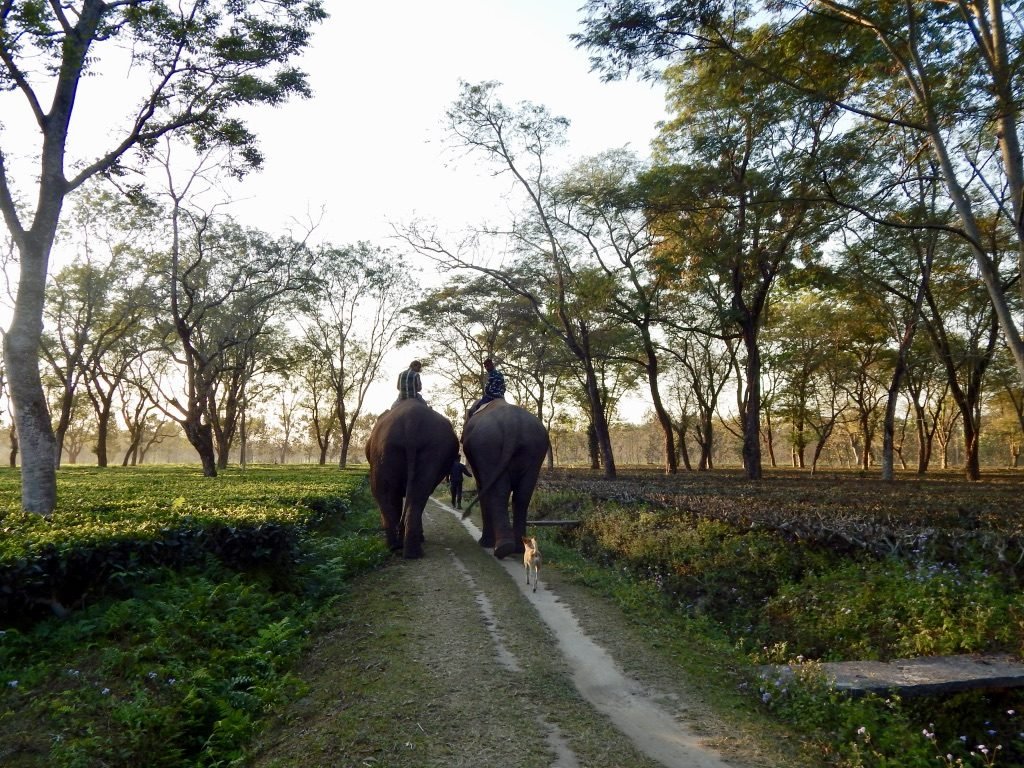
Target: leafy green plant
(179, 666)
(796, 570)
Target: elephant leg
(497, 510)
(412, 546)
(390, 505)
(522, 492)
(487, 526)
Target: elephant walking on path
(505, 446)
(410, 450)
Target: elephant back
(409, 429)
(500, 432)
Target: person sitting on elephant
(455, 480)
(494, 388)
(409, 384)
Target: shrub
(179, 667)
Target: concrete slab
(927, 675)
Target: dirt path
(452, 661)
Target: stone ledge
(927, 675)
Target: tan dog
(532, 559)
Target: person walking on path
(455, 480)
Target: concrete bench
(927, 675)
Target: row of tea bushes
(180, 667)
(112, 525)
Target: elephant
(505, 446)
(410, 450)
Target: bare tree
(519, 142)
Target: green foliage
(706, 566)
(112, 524)
(180, 667)
(847, 569)
(894, 609)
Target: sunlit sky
(367, 152)
(369, 148)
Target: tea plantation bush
(185, 601)
(843, 567)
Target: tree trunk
(972, 462)
(923, 442)
(200, 436)
(31, 416)
(684, 449)
(346, 441)
(102, 431)
(12, 457)
(867, 434)
(671, 465)
(752, 420)
(705, 439)
(769, 438)
(595, 452)
(131, 455)
(600, 423)
(64, 419)
(103, 406)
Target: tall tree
(72, 304)
(224, 287)
(194, 63)
(703, 363)
(350, 320)
(808, 335)
(947, 72)
(464, 323)
(318, 403)
(601, 202)
(736, 168)
(519, 141)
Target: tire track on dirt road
(449, 662)
(632, 709)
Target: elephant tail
(507, 449)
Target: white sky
(368, 148)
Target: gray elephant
(505, 446)
(410, 450)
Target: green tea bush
(894, 609)
(111, 526)
(798, 569)
(178, 666)
(706, 566)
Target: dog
(532, 560)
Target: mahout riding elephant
(410, 450)
(505, 446)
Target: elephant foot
(394, 542)
(412, 553)
(505, 548)
(486, 541)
